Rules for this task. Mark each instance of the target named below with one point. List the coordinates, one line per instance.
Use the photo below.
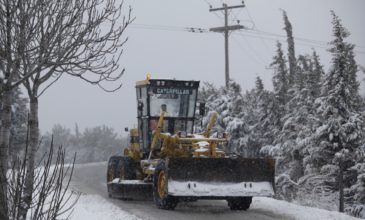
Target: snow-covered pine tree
(280, 78)
(276, 106)
(259, 85)
(313, 84)
(267, 115)
(291, 49)
(298, 126)
(315, 76)
(229, 104)
(260, 129)
(248, 136)
(342, 128)
(206, 94)
(356, 193)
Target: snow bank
(94, 207)
(293, 211)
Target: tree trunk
(33, 145)
(4, 150)
(341, 187)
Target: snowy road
(90, 179)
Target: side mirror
(202, 108)
(126, 129)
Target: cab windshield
(176, 102)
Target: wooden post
(226, 29)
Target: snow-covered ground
(293, 211)
(94, 207)
(95, 204)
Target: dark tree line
(313, 123)
(94, 144)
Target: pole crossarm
(228, 7)
(228, 28)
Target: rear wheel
(126, 168)
(160, 194)
(120, 167)
(240, 203)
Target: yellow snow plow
(168, 162)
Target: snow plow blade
(220, 177)
(130, 190)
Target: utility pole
(226, 30)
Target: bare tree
(13, 43)
(41, 40)
(81, 38)
(51, 197)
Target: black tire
(112, 166)
(120, 167)
(162, 201)
(239, 203)
(126, 169)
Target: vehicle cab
(175, 97)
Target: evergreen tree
(268, 121)
(356, 193)
(315, 76)
(342, 128)
(292, 139)
(291, 49)
(259, 130)
(280, 78)
(259, 86)
(206, 94)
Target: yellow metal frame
(176, 146)
(133, 149)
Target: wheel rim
(161, 184)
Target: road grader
(168, 162)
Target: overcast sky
(171, 52)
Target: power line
(259, 60)
(210, 6)
(263, 35)
(313, 45)
(169, 28)
(319, 42)
(254, 35)
(254, 26)
(249, 15)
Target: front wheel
(160, 193)
(240, 203)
